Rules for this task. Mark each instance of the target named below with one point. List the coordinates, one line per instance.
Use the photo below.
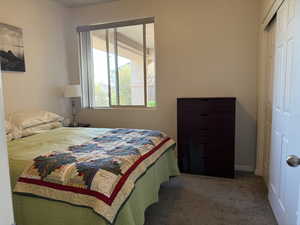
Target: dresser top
(209, 98)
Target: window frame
(115, 26)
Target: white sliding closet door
(6, 210)
(284, 180)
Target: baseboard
(244, 168)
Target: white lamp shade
(72, 91)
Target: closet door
(285, 140)
(6, 210)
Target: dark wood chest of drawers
(206, 136)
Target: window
(118, 64)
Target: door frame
(261, 80)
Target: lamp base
(74, 123)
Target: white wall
(204, 48)
(44, 23)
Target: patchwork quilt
(99, 174)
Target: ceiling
(78, 3)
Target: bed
(37, 210)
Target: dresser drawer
(195, 106)
(193, 124)
(221, 124)
(223, 107)
(211, 167)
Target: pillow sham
(9, 137)
(8, 127)
(23, 120)
(40, 128)
(12, 132)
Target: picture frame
(11, 48)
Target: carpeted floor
(199, 200)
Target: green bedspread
(37, 211)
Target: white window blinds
(118, 64)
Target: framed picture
(11, 48)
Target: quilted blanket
(99, 174)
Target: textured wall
(44, 24)
(204, 48)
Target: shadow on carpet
(200, 200)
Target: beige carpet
(199, 200)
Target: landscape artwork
(11, 48)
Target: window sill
(126, 108)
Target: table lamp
(73, 92)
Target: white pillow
(8, 127)
(12, 132)
(9, 137)
(40, 128)
(23, 120)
